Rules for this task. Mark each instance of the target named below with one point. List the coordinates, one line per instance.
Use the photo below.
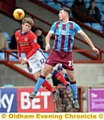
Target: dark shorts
(66, 59)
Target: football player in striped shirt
(64, 31)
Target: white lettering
(97, 105)
(45, 94)
(25, 103)
(35, 103)
(6, 102)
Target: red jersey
(26, 43)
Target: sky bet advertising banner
(16, 100)
(96, 100)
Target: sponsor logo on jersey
(63, 32)
(25, 39)
(35, 40)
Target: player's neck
(24, 32)
(65, 20)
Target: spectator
(40, 40)
(94, 11)
(80, 6)
(3, 41)
(13, 44)
(54, 79)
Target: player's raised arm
(87, 39)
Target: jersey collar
(24, 33)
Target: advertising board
(17, 100)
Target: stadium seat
(42, 0)
(71, 15)
(102, 16)
(67, 1)
(100, 6)
(87, 1)
(88, 24)
(23, 55)
(2, 56)
(57, 6)
(103, 9)
(87, 5)
(99, 1)
(51, 4)
(96, 26)
(61, 1)
(7, 37)
(69, 4)
(12, 57)
(45, 1)
(49, 0)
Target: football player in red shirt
(27, 43)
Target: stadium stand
(99, 4)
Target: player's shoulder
(56, 22)
(32, 34)
(17, 32)
(72, 22)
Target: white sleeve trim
(51, 31)
(79, 31)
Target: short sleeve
(52, 29)
(77, 28)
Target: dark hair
(92, 1)
(59, 67)
(65, 9)
(39, 29)
(77, 1)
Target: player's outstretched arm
(47, 40)
(87, 39)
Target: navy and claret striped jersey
(64, 35)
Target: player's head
(39, 32)
(60, 68)
(64, 13)
(92, 3)
(27, 24)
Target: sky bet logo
(8, 100)
(16, 100)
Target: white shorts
(37, 61)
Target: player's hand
(20, 59)
(95, 50)
(47, 48)
(24, 61)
